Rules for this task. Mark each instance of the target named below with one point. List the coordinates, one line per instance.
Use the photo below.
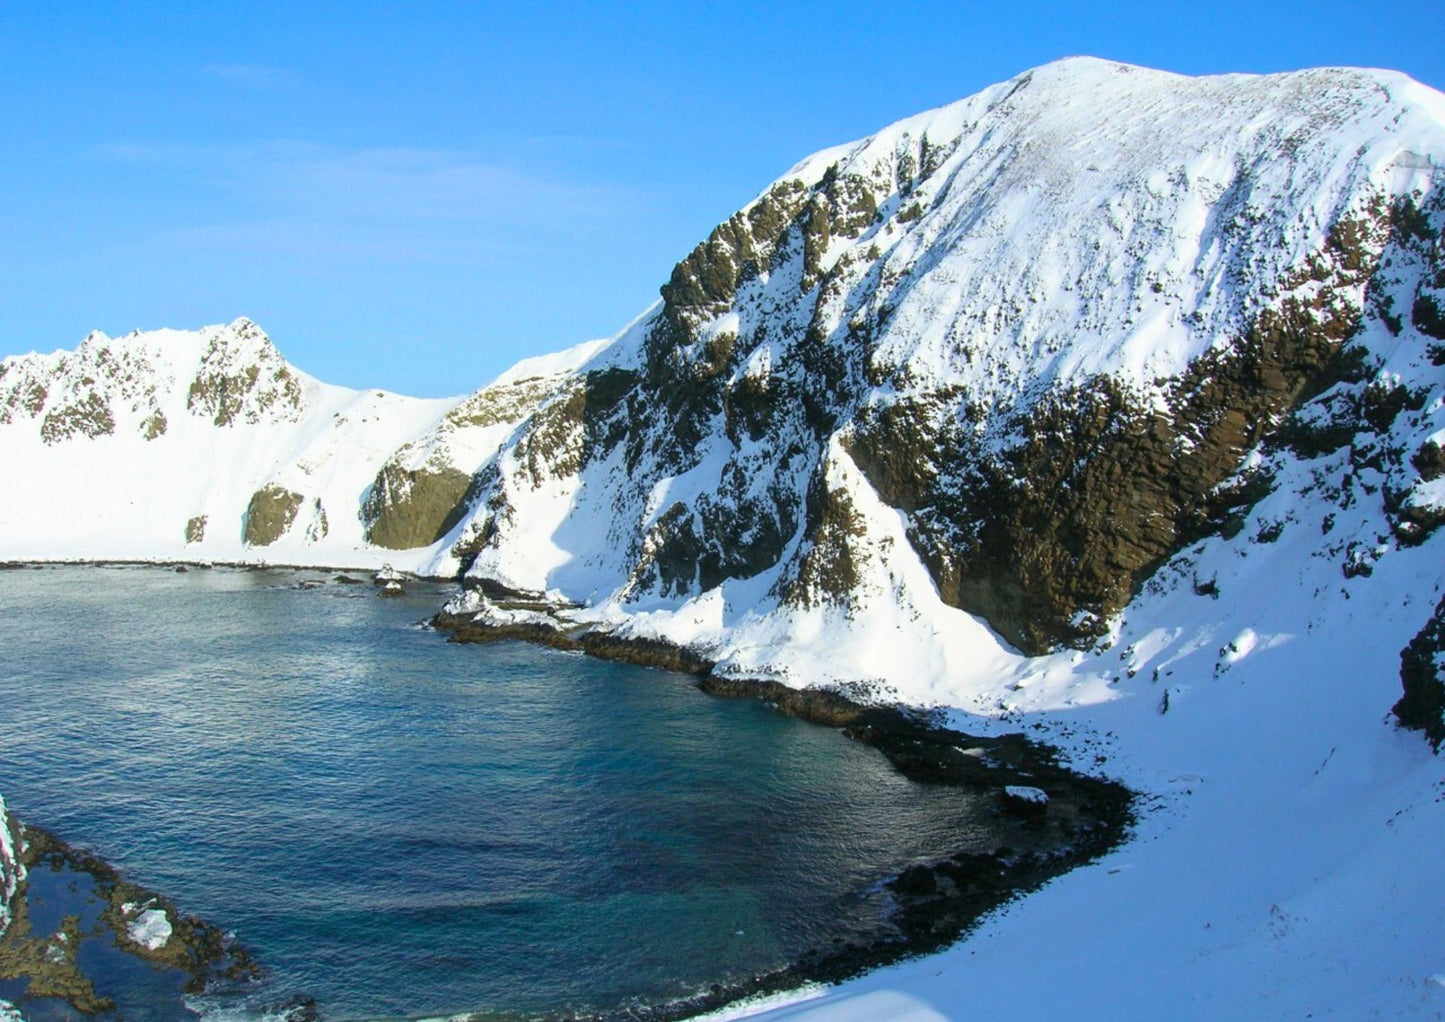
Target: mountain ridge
(959, 352)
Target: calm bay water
(399, 826)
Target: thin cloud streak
(387, 203)
(257, 77)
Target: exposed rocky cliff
(1039, 337)
(427, 487)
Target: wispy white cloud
(250, 76)
(403, 203)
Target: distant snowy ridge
(208, 445)
(196, 445)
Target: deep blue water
(399, 826)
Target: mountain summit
(1006, 357)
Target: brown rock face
(89, 417)
(1049, 537)
(270, 514)
(408, 508)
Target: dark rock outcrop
(269, 515)
(1422, 675)
(407, 508)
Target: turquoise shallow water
(399, 826)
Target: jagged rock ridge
(1045, 326)
(207, 443)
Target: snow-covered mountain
(189, 444)
(1107, 403)
(996, 363)
(209, 445)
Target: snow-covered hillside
(196, 445)
(980, 374)
(208, 445)
(1107, 404)
(1283, 865)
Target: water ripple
(400, 826)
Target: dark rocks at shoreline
(604, 646)
(101, 907)
(1058, 818)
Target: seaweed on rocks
(53, 966)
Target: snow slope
(114, 448)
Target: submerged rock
(101, 915)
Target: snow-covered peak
(141, 382)
(551, 365)
(1093, 217)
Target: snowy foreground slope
(1106, 404)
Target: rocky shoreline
(1057, 819)
(1054, 819)
(94, 907)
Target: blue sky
(413, 196)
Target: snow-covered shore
(12, 870)
(1284, 862)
